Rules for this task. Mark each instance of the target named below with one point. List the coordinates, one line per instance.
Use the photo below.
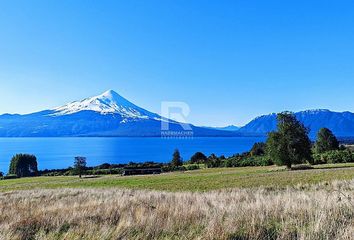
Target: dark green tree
(23, 165)
(213, 161)
(258, 149)
(326, 141)
(79, 165)
(176, 159)
(198, 157)
(290, 144)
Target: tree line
(25, 165)
(288, 145)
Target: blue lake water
(53, 153)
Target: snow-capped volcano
(108, 102)
(108, 114)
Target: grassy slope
(200, 180)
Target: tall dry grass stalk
(306, 212)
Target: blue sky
(229, 60)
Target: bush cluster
(171, 168)
(104, 171)
(249, 161)
(335, 156)
(242, 160)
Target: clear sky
(229, 60)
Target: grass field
(198, 180)
(316, 212)
(225, 203)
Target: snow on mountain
(231, 128)
(108, 114)
(109, 102)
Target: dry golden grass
(322, 211)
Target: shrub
(244, 161)
(262, 161)
(105, 171)
(258, 149)
(318, 158)
(104, 166)
(213, 161)
(302, 167)
(10, 176)
(52, 174)
(335, 156)
(192, 167)
(171, 168)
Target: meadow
(197, 180)
(221, 203)
(320, 211)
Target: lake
(54, 153)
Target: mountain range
(341, 123)
(110, 114)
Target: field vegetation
(197, 180)
(321, 211)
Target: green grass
(198, 180)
